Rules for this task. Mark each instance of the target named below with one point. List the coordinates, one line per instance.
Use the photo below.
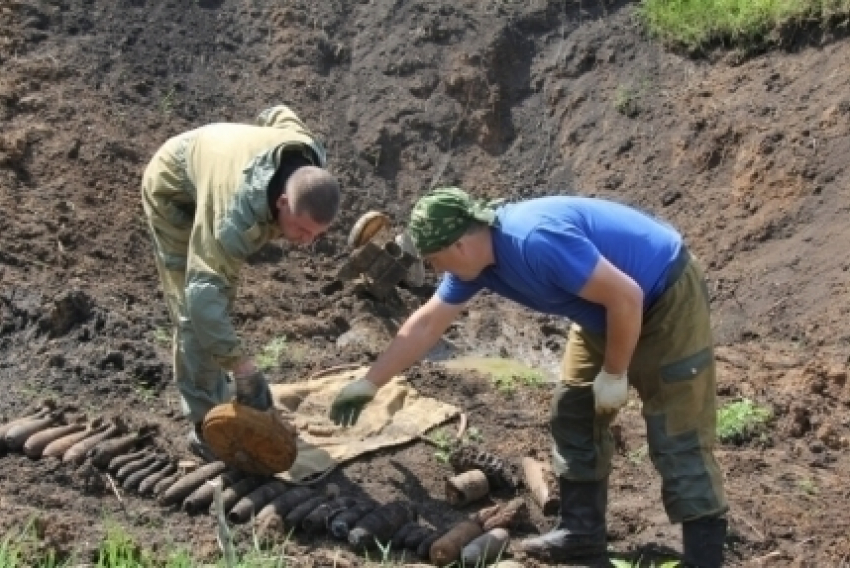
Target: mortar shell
(297, 515)
(132, 481)
(43, 411)
(58, 448)
(467, 487)
(341, 524)
(416, 537)
(183, 488)
(380, 524)
(102, 454)
(282, 504)
(424, 548)
(167, 481)
(35, 444)
(448, 547)
(120, 461)
(238, 490)
(253, 502)
(399, 536)
(77, 453)
(134, 466)
(17, 436)
(201, 498)
(486, 548)
(317, 520)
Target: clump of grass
(626, 101)
(697, 23)
(741, 421)
(269, 357)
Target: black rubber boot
(580, 532)
(702, 542)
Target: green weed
(162, 336)
(626, 101)
(741, 421)
(270, 356)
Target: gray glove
(253, 390)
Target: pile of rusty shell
(317, 520)
(131, 467)
(485, 549)
(201, 498)
(120, 461)
(57, 448)
(134, 480)
(77, 453)
(341, 524)
(446, 549)
(501, 515)
(467, 487)
(167, 481)
(35, 444)
(182, 488)
(102, 454)
(238, 490)
(294, 519)
(18, 434)
(283, 504)
(254, 501)
(146, 486)
(380, 525)
(43, 410)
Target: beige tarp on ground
(398, 415)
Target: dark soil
(747, 156)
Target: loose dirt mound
(748, 158)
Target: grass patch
(695, 24)
(270, 355)
(506, 374)
(162, 336)
(741, 421)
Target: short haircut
(313, 191)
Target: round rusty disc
(366, 227)
(250, 440)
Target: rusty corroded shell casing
(120, 461)
(467, 487)
(134, 466)
(147, 485)
(41, 411)
(240, 489)
(448, 547)
(379, 525)
(35, 444)
(77, 453)
(182, 488)
(501, 515)
(167, 481)
(103, 453)
(253, 502)
(542, 485)
(133, 480)
(282, 504)
(424, 548)
(17, 435)
(201, 498)
(341, 524)
(399, 536)
(414, 539)
(486, 548)
(57, 448)
(317, 520)
(297, 515)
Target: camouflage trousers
(673, 371)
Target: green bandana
(442, 216)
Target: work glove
(253, 390)
(349, 403)
(610, 392)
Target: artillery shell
(36, 443)
(167, 481)
(180, 490)
(43, 410)
(201, 498)
(342, 523)
(102, 454)
(397, 541)
(254, 501)
(467, 487)
(424, 548)
(77, 453)
(317, 520)
(134, 466)
(297, 515)
(18, 434)
(132, 481)
(380, 524)
(416, 537)
(448, 547)
(57, 448)
(238, 490)
(485, 548)
(282, 504)
(120, 461)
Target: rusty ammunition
(102, 454)
(181, 489)
(379, 525)
(134, 466)
(201, 498)
(35, 444)
(18, 434)
(397, 542)
(485, 549)
(132, 481)
(424, 548)
(447, 548)
(167, 481)
(282, 504)
(120, 461)
(43, 410)
(77, 453)
(254, 501)
(341, 524)
(416, 537)
(317, 520)
(297, 515)
(57, 448)
(238, 490)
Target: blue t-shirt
(546, 249)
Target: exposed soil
(748, 156)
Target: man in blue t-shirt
(638, 306)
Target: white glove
(349, 403)
(610, 392)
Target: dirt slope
(513, 99)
